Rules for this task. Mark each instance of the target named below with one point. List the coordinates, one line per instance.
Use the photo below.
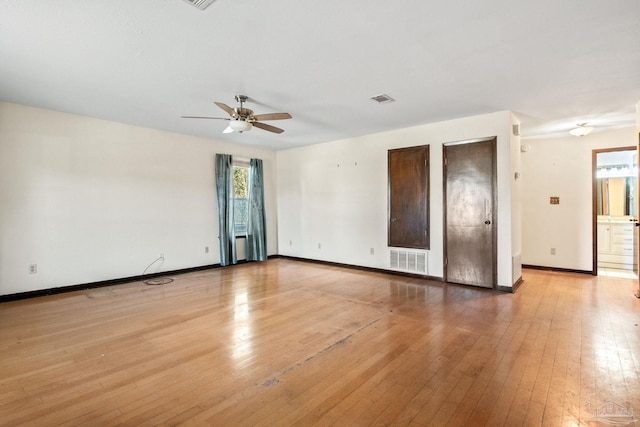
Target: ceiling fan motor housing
(243, 113)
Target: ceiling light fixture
(240, 125)
(581, 130)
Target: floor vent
(409, 261)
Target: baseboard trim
(103, 283)
(506, 289)
(112, 282)
(558, 269)
(363, 268)
(100, 284)
(513, 288)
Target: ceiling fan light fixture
(240, 125)
(243, 120)
(581, 130)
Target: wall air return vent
(200, 4)
(409, 261)
(383, 98)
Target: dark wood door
(408, 225)
(470, 231)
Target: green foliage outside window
(240, 178)
(241, 194)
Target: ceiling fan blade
(230, 111)
(227, 130)
(267, 127)
(272, 116)
(200, 117)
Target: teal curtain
(224, 188)
(256, 225)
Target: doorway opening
(615, 212)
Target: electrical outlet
(371, 251)
(206, 249)
(319, 245)
(553, 251)
(33, 268)
(162, 257)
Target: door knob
(487, 222)
(393, 219)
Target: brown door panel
(408, 225)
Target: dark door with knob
(470, 229)
(409, 197)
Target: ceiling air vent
(383, 98)
(200, 4)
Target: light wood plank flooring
(292, 343)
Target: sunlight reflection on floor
(613, 272)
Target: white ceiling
(554, 63)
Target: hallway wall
(562, 167)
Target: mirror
(615, 196)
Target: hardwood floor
(291, 343)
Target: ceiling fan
(242, 119)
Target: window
(240, 199)
(241, 220)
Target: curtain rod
(240, 159)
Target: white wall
(334, 195)
(89, 200)
(562, 167)
(516, 201)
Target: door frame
(594, 201)
(494, 210)
(637, 294)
